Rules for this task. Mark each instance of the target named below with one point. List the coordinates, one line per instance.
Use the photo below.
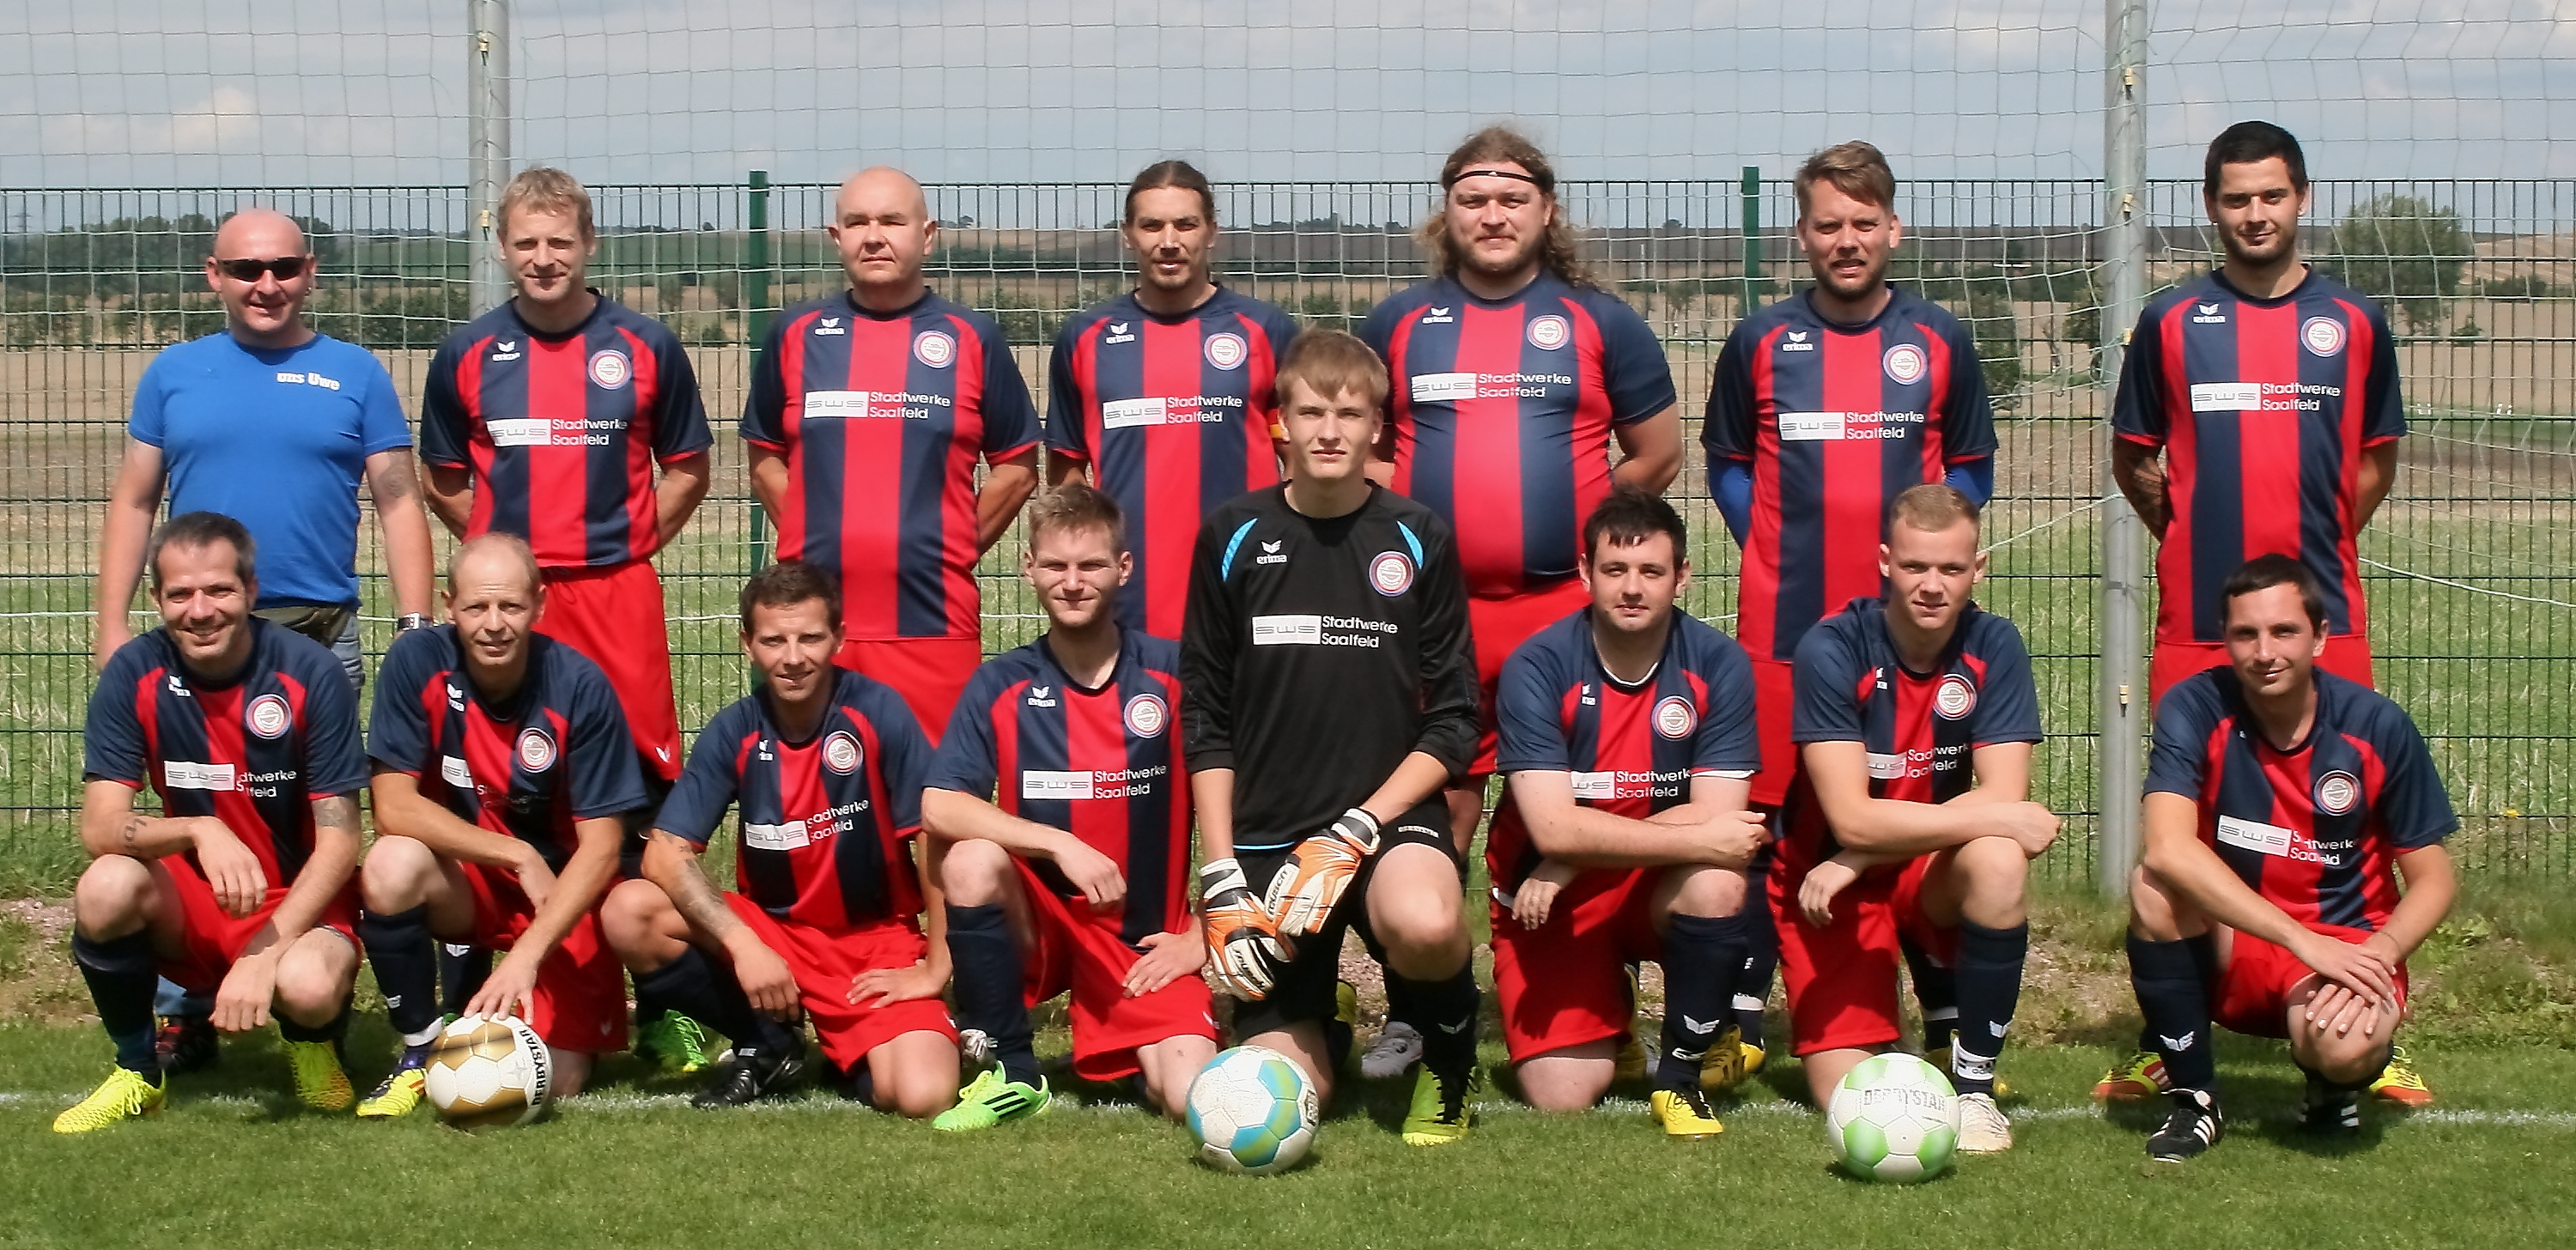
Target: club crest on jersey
(1390, 574)
(1146, 715)
(1675, 717)
(268, 717)
(934, 348)
(1226, 350)
(2322, 336)
(536, 750)
(1549, 332)
(1955, 699)
(1905, 363)
(2338, 792)
(841, 752)
(611, 369)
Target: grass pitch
(232, 1161)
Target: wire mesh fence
(2471, 566)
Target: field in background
(2471, 566)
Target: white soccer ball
(489, 1072)
(1894, 1118)
(1253, 1112)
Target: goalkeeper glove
(1245, 951)
(1304, 891)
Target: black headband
(1547, 185)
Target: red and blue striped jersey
(881, 417)
(561, 432)
(253, 751)
(1501, 412)
(2315, 829)
(1631, 749)
(1836, 421)
(555, 752)
(1101, 764)
(1174, 415)
(824, 822)
(1921, 729)
(2262, 407)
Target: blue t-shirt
(277, 440)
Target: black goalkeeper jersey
(1316, 653)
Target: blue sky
(157, 92)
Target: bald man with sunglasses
(274, 425)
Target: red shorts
(579, 1003)
(2253, 995)
(930, 673)
(615, 616)
(825, 961)
(1565, 984)
(2347, 656)
(1078, 954)
(1842, 978)
(1772, 700)
(1500, 626)
(213, 939)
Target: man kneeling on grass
(2283, 804)
(825, 766)
(249, 733)
(1071, 873)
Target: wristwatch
(410, 621)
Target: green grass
(232, 1162)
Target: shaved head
(264, 233)
(881, 185)
(490, 557)
(266, 308)
(883, 231)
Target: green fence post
(1755, 290)
(755, 299)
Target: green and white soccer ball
(1253, 1112)
(1894, 1118)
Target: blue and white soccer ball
(1894, 1118)
(1253, 1111)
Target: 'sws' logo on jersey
(268, 717)
(1390, 574)
(611, 369)
(2322, 336)
(1905, 364)
(536, 750)
(934, 348)
(1955, 699)
(1225, 350)
(1147, 715)
(2338, 792)
(1549, 332)
(1675, 717)
(841, 752)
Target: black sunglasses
(287, 268)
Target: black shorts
(1303, 991)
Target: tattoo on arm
(398, 483)
(130, 830)
(337, 812)
(699, 901)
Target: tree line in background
(136, 281)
